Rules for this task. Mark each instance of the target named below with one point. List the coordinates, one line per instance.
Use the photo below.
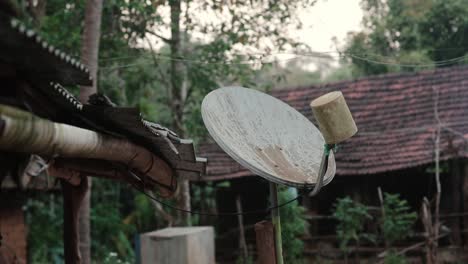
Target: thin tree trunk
(437, 176)
(89, 56)
(177, 101)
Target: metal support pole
(275, 218)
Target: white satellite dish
(267, 136)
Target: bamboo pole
(21, 131)
(242, 243)
(275, 218)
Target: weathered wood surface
(265, 239)
(335, 120)
(265, 135)
(178, 245)
(23, 132)
(178, 153)
(72, 198)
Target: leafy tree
(409, 35)
(398, 220)
(392, 258)
(44, 216)
(293, 226)
(167, 79)
(351, 217)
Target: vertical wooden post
(242, 243)
(275, 217)
(265, 239)
(72, 199)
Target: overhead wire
(253, 212)
(367, 57)
(261, 60)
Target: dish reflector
(265, 135)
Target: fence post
(265, 236)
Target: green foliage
(112, 258)
(44, 218)
(393, 258)
(409, 32)
(109, 232)
(135, 70)
(293, 226)
(396, 225)
(352, 217)
(398, 220)
(249, 260)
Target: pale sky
(321, 23)
(328, 19)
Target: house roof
(34, 74)
(395, 116)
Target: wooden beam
(21, 131)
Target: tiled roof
(395, 117)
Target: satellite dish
(267, 136)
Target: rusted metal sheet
(265, 135)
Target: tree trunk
(177, 97)
(89, 56)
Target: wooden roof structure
(395, 115)
(34, 74)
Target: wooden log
(265, 239)
(21, 131)
(335, 120)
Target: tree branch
(166, 40)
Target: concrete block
(178, 245)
